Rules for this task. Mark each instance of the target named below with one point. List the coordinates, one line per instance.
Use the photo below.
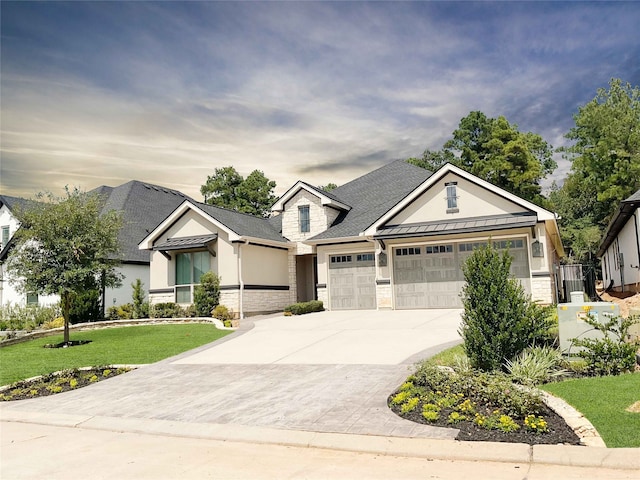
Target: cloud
(104, 92)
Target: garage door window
(341, 259)
(364, 257)
(407, 251)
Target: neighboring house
(620, 249)
(393, 238)
(143, 205)
(8, 227)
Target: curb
(562, 455)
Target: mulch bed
(559, 432)
(58, 382)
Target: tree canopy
(328, 187)
(495, 150)
(226, 188)
(605, 166)
(65, 246)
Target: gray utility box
(571, 321)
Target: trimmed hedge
(304, 307)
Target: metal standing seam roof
(198, 241)
(469, 225)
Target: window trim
(304, 219)
(452, 197)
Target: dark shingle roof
(15, 202)
(244, 224)
(144, 207)
(373, 195)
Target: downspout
(241, 295)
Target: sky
(101, 93)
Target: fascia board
(358, 238)
(262, 241)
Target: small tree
(206, 296)
(499, 319)
(64, 245)
(140, 307)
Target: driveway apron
(324, 372)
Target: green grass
(126, 345)
(447, 357)
(603, 401)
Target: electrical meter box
(572, 324)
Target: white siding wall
(627, 244)
(124, 294)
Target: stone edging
(113, 323)
(582, 427)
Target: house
(394, 238)
(620, 250)
(8, 227)
(143, 207)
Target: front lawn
(604, 400)
(109, 346)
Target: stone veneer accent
(323, 296)
(542, 289)
(293, 275)
(383, 297)
(320, 219)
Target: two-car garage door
(430, 276)
(352, 281)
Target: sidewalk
(610, 463)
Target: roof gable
(237, 225)
(525, 205)
(326, 198)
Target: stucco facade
(395, 238)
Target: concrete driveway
(323, 372)
(365, 337)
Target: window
(303, 218)
(439, 249)
(340, 258)
(364, 257)
(5, 236)
(32, 299)
(452, 197)
(189, 268)
(407, 251)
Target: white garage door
(430, 276)
(352, 281)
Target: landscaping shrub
(120, 312)
(166, 310)
(488, 399)
(222, 313)
(610, 355)
(304, 307)
(499, 319)
(55, 323)
(206, 295)
(18, 317)
(536, 365)
(86, 307)
(140, 307)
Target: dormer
(307, 211)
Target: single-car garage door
(352, 281)
(430, 276)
